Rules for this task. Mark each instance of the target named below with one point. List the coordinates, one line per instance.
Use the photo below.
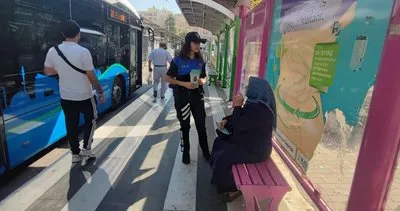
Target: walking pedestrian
(74, 66)
(188, 96)
(160, 57)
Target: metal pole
(217, 65)
(380, 146)
(239, 63)
(234, 56)
(220, 62)
(225, 72)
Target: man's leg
(164, 85)
(156, 78)
(72, 124)
(89, 111)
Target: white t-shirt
(73, 85)
(160, 56)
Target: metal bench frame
(212, 78)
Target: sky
(142, 5)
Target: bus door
(125, 50)
(134, 58)
(140, 56)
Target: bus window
(95, 42)
(31, 31)
(89, 14)
(118, 43)
(113, 43)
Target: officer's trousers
(186, 102)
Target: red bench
(258, 182)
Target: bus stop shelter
(369, 191)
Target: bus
(31, 118)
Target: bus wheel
(117, 93)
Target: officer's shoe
(186, 158)
(207, 156)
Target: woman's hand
(238, 100)
(202, 81)
(223, 123)
(188, 85)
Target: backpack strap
(66, 60)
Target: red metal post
(269, 15)
(380, 146)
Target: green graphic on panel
(296, 111)
(324, 65)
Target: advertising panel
(322, 62)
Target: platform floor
(138, 166)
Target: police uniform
(189, 101)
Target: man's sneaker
(76, 158)
(87, 153)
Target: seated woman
(250, 126)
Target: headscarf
(259, 91)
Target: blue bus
(31, 118)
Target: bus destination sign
(117, 15)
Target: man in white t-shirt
(76, 78)
(160, 57)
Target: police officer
(189, 98)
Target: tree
(183, 33)
(170, 23)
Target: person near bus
(248, 138)
(74, 66)
(160, 57)
(189, 99)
